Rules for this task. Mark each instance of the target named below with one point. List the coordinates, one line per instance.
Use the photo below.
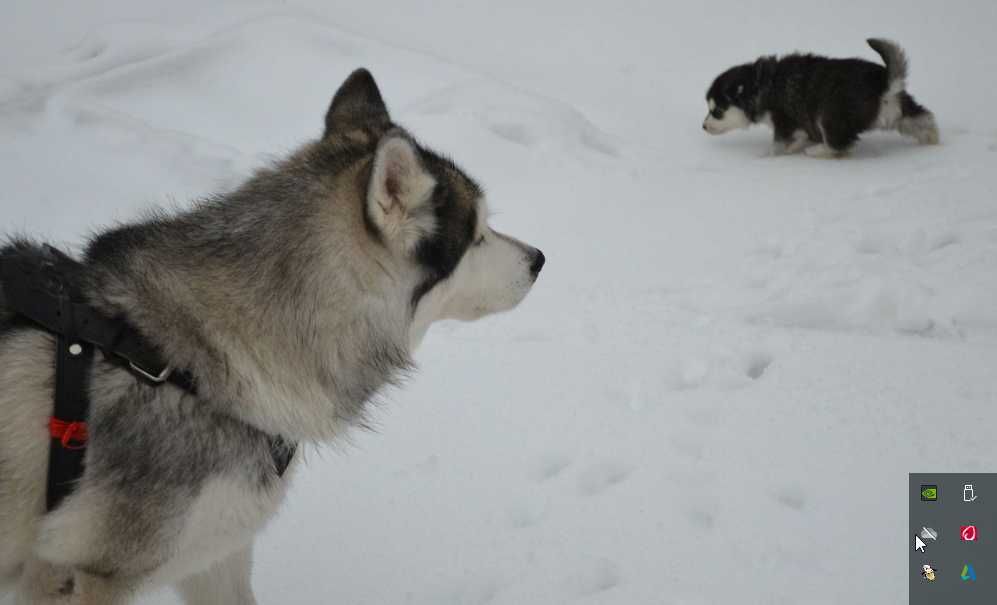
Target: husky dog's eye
(717, 113)
(479, 241)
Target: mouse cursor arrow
(918, 545)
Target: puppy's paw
(928, 137)
(822, 151)
(923, 128)
(792, 146)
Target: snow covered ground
(717, 388)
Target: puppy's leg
(42, 583)
(224, 583)
(798, 141)
(784, 135)
(916, 121)
(838, 135)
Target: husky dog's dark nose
(538, 263)
(704, 125)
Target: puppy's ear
(399, 192)
(735, 94)
(357, 103)
(764, 71)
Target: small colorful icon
(929, 573)
(929, 493)
(968, 533)
(968, 573)
(968, 493)
(929, 533)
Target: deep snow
(731, 362)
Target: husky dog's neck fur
(293, 300)
(323, 319)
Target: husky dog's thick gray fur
(293, 300)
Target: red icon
(968, 533)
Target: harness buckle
(156, 378)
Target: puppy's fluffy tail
(895, 59)
(915, 120)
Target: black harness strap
(47, 294)
(72, 378)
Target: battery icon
(929, 493)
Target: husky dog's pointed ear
(356, 103)
(399, 192)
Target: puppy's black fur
(832, 101)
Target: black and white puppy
(818, 104)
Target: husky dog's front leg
(42, 583)
(100, 590)
(45, 584)
(224, 583)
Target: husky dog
(293, 300)
(818, 104)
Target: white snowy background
(729, 365)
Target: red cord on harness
(72, 435)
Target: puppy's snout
(538, 263)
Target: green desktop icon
(929, 493)
(968, 573)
